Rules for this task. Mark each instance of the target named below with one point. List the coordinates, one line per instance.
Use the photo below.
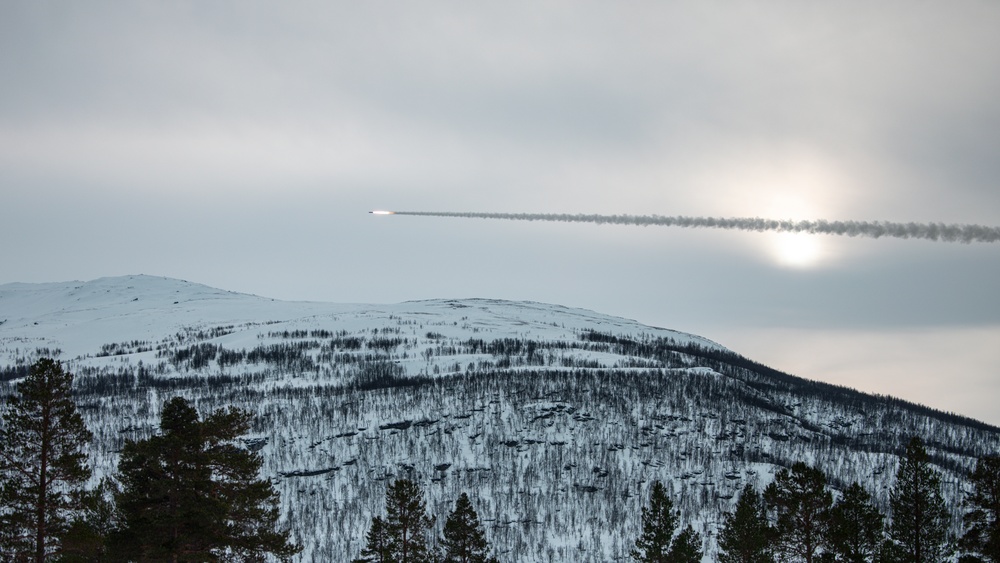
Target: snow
(557, 449)
(80, 317)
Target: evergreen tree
(402, 536)
(379, 548)
(658, 524)
(919, 528)
(191, 494)
(407, 522)
(801, 505)
(854, 532)
(464, 540)
(686, 547)
(982, 521)
(42, 465)
(84, 542)
(656, 544)
(746, 535)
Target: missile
(382, 212)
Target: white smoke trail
(874, 229)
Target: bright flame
(382, 212)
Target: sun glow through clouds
(796, 250)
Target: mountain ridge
(555, 419)
(172, 303)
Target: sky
(241, 144)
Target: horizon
(242, 144)
(993, 423)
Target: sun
(796, 250)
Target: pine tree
(191, 494)
(982, 521)
(251, 504)
(84, 542)
(746, 534)
(658, 524)
(801, 504)
(407, 522)
(42, 465)
(919, 528)
(402, 536)
(657, 544)
(464, 540)
(379, 548)
(686, 547)
(855, 529)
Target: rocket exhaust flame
(382, 212)
(874, 229)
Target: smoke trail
(874, 229)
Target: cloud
(811, 111)
(674, 95)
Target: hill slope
(555, 420)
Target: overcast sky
(240, 145)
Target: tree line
(797, 519)
(193, 493)
(190, 493)
(405, 536)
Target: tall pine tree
(402, 536)
(379, 548)
(855, 529)
(192, 494)
(408, 522)
(464, 540)
(42, 464)
(801, 505)
(656, 543)
(982, 521)
(746, 534)
(919, 528)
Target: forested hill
(554, 420)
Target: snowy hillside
(554, 420)
(80, 317)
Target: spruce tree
(746, 534)
(801, 505)
(982, 521)
(919, 528)
(42, 464)
(464, 540)
(656, 544)
(192, 494)
(854, 532)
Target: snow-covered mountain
(555, 420)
